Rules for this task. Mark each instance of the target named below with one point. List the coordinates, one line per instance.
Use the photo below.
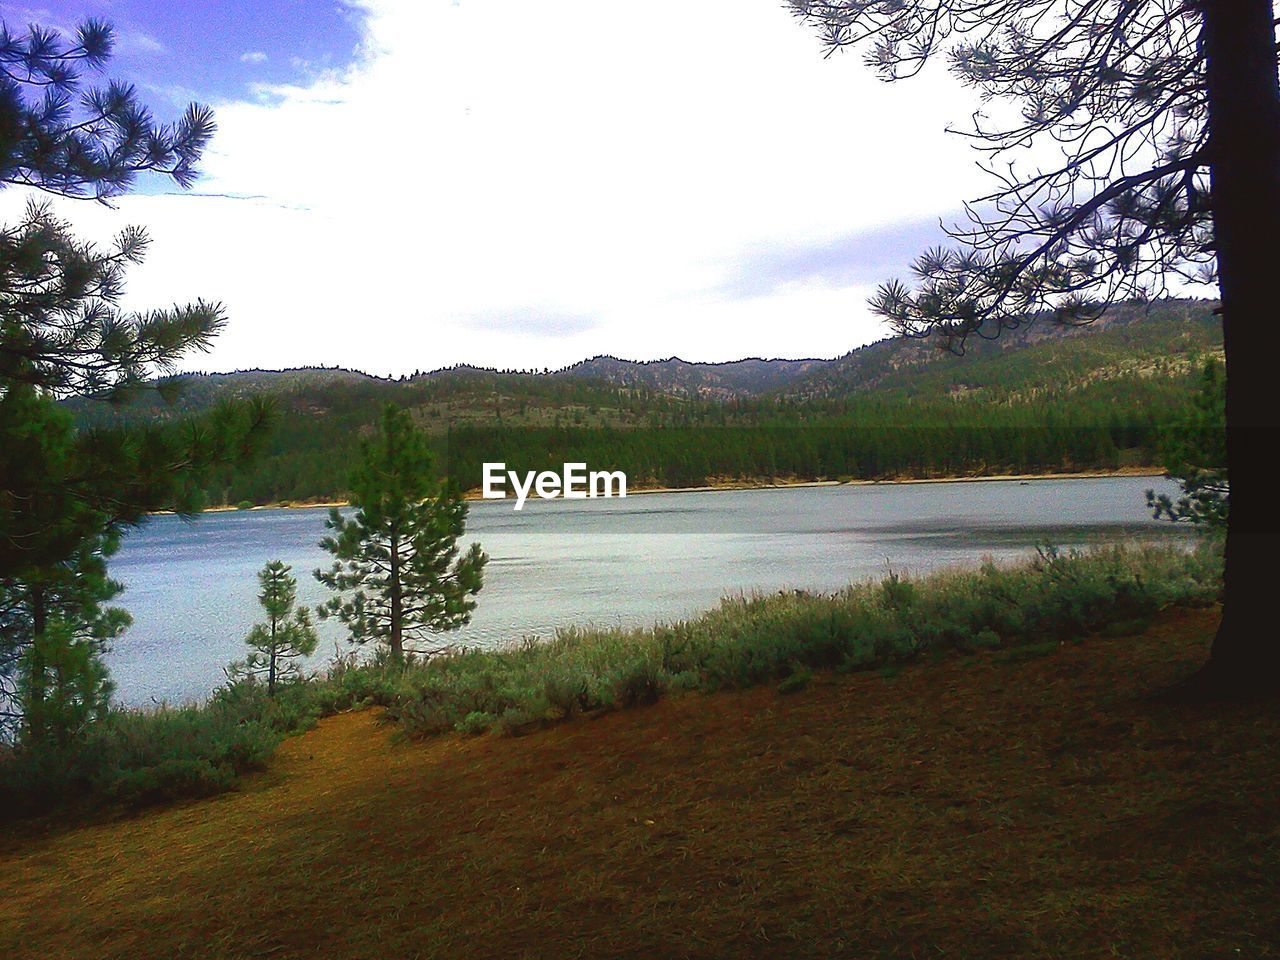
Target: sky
(401, 185)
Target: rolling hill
(1043, 398)
(749, 377)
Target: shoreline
(905, 481)
(732, 486)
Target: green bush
(476, 722)
(797, 681)
(782, 637)
(138, 757)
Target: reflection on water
(192, 587)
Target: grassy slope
(1002, 806)
(1031, 360)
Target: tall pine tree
(62, 329)
(54, 628)
(398, 574)
(65, 495)
(1162, 121)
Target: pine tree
(287, 636)
(54, 628)
(67, 495)
(1195, 453)
(63, 486)
(97, 151)
(1164, 122)
(62, 328)
(63, 685)
(398, 575)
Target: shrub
(797, 681)
(136, 758)
(475, 722)
(1026, 610)
(782, 637)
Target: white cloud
(507, 161)
(137, 42)
(253, 56)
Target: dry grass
(1006, 806)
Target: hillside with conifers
(1042, 399)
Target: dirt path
(995, 807)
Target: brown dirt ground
(1002, 806)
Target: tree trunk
(36, 689)
(1244, 131)
(271, 665)
(397, 605)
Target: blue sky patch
(212, 50)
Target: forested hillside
(676, 376)
(1043, 399)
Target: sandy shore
(293, 505)
(764, 485)
(1146, 471)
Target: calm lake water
(191, 586)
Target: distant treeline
(875, 440)
(1092, 401)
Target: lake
(192, 587)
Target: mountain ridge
(1045, 400)
(863, 367)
